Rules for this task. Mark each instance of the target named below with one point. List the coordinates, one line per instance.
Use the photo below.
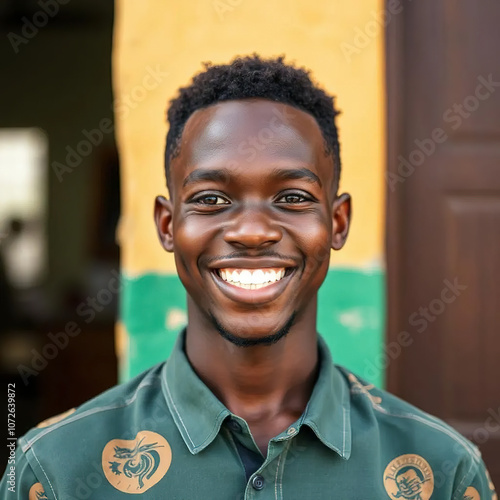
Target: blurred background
(57, 232)
(87, 296)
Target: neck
(261, 384)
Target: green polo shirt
(164, 435)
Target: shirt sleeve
(19, 481)
(480, 487)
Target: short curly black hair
(254, 77)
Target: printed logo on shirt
(358, 388)
(37, 492)
(134, 466)
(409, 477)
(57, 418)
(471, 494)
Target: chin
(252, 332)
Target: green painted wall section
(350, 318)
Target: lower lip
(257, 296)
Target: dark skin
(241, 198)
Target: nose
(253, 228)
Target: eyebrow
(219, 175)
(297, 173)
(223, 174)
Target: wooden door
(443, 222)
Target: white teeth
(252, 278)
(258, 277)
(246, 277)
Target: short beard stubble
(245, 342)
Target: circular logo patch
(409, 477)
(37, 492)
(471, 494)
(136, 465)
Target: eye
(293, 198)
(211, 199)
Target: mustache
(242, 255)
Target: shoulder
(113, 407)
(404, 432)
(116, 413)
(69, 452)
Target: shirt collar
(198, 414)
(328, 411)
(196, 411)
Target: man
(249, 404)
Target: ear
(164, 222)
(341, 219)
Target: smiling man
(249, 405)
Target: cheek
(316, 243)
(187, 241)
(192, 237)
(190, 232)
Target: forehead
(248, 131)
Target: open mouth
(252, 279)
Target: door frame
(394, 74)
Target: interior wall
(158, 47)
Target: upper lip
(252, 263)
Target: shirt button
(234, 426)
(258, 482)
(291, 431)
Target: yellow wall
(339, 41)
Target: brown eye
(292, 198)
(212, 199)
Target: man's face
(409, 484)
(252, 216)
